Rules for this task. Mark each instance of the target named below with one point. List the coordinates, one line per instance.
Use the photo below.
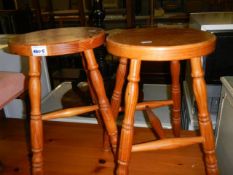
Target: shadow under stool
(63, 41)
(161, 44)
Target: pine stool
(54, 42)
(161, 44)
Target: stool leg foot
(131, 97)
(122, 169)
(205, 123)
(175, 91)
(35, 120)
(104, 105)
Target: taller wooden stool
(60, 42)
(162, 44)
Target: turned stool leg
(175, 92)
(36, 120)
(199, 88)
(117, 92)
(91, 89)
(106, 145)
(105, 108)
(131, 97)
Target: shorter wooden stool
(60, 42)
(161, 44)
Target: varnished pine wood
(131, 97)
(59, 42)
(155, 123)
(176, 97)
(151, 104)
(67, 151)
(104, 105)
(116, 96)
(106, 144)
(199, 88)
(117, 92)
(91, 89)
(69, 112)
(36, 124)
(164, 44)
(166, 144)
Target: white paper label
(39, 50)
(146, 42)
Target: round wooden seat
(161, 44)
(59, 41)
(63, 41)
(158, 44)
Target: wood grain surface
(161, 44)
(59, 41)
(66, 148)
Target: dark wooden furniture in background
(63, 41)
(15, 21)
(220, 63)
(154, 44)
(54, 17)
(130, 13)
(47, 15)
